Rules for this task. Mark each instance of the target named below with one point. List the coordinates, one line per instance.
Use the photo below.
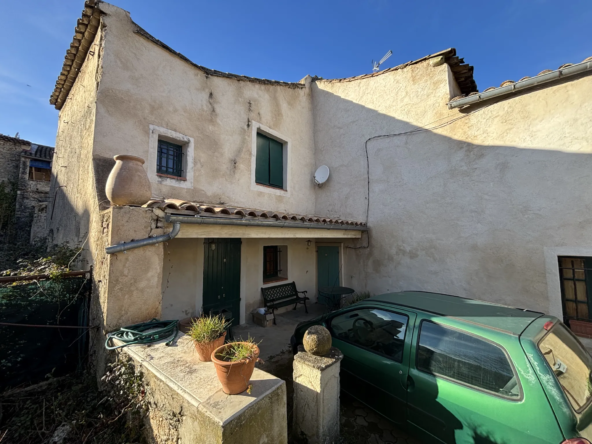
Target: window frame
(390, 358)
(178, 157)
(286, 144)
(157, 134)
(461, 383)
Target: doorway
(328, 269)
(221, 278)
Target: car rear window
(571, 364)
(466, 359)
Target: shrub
(208, 328)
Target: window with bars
(275, 263)
(576, 287)
(170, 159)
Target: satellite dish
(321, 175)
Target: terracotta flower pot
(128, 182)
(234, 376)
(205, 349)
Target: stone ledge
(319, 362)
(180, 381)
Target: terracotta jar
(205, 349)
(128, 182)
(235, 376)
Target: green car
(456, 370)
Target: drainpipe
(522, 85)
(144, 242)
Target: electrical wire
(404, 133)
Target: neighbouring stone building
(25, 170)
(433, 185)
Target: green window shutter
(262, 159)
(276, 164)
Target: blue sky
(286, 40)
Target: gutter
(204, 220)
(144, 242)
(178, 220)
(523, 84)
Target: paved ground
(275, 339)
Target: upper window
(269, 169)
(39, 174)
(380, 331)
(275, 263)
(571, 364)
(466, 359)
(170, 159)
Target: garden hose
(144, 333)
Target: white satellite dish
(321, 175)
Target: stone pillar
(316, 396)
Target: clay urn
(128, 182)
(317, 340)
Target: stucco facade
(475, 202)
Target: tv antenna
(376, 65)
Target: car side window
(377, 330)
(466, 359)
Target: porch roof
(186, 208)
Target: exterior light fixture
(308, 242)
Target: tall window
(576, 287)
(170, 159)
(269, 169)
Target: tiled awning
(182, 207)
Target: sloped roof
(463, 72)
(183, 207)
(13, 139)
(509, 82)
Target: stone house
(433, 185)
(27, 167)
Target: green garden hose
(135, 334)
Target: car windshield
(571, 364)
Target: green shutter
(276, 164)
(262, 159)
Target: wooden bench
(283, 295)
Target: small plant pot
(234, 376)
(205, 349)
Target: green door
(328, 266)
(221, 278)
(376, 344)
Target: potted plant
(208, 333)
(234, 364)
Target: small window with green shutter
(269, 169)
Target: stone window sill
(171, 177)
(270, 187)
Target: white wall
(143, 84)
(471, 208)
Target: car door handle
(410, 384)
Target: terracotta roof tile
(175, 205)
(13, 139)
(509, 82)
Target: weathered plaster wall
(466, 209)
(143, 85)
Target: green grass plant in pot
(208, 333)
(235, 363)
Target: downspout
(144, 242)
(522, 85)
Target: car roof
(489, 315)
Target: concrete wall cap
(319, 362)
